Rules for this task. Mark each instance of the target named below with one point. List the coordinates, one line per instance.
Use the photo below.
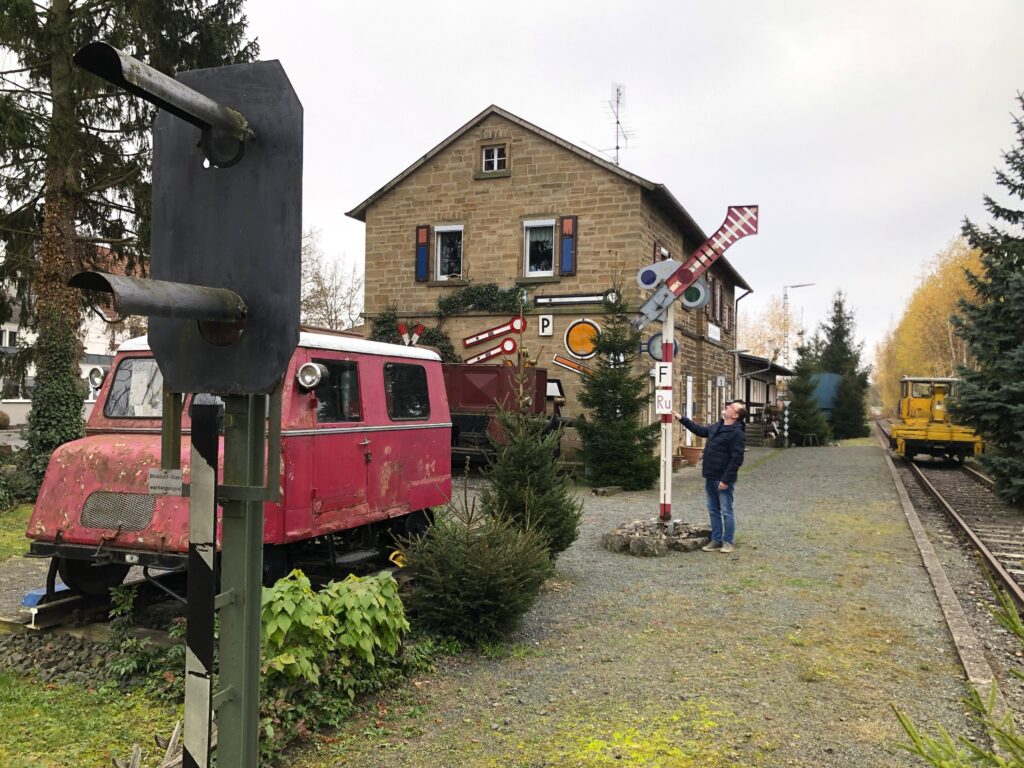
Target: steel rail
(993, 563)
(988, 481)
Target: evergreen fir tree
(617, 449)
(74, 165)
(527, 484)
(991, 397)
(805, 417)
(840, 354)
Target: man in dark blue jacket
(723, 455)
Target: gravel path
(789, 651)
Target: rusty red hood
(113, 463)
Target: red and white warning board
(514, 325)
(507, 347)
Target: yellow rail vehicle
(925, 425)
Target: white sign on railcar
(165, 482)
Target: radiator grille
(127, 511)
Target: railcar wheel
(84, 578)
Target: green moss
(12, 531)
(617, 736)
(50, 726)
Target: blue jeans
(723, 523)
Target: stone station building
(503, 201)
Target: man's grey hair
(741, 408)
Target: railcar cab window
(405, 390)
(337, 393)
(136, 391)
(921, 389)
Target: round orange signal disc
(580, 337)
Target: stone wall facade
(618, 228)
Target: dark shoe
(713, 546)
(726, 548)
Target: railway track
(994, 528)
(968, 499)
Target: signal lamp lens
(310, 374)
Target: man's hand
(678, 415)
(723, 486)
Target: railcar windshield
(921, 389)
(136, 391)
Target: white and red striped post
(668, 340)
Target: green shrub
(618, 449)
(384, 328)
(7, 499)
(474, 575)
(320, 649)
(527, 484)
(5, 420)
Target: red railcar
(475, 393)
(365, 453)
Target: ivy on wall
(485, 297)
(385, 328)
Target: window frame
(552, 225)
(503, 147)
(113, 381)
(444, 229)
(328, 362)
(389, 399)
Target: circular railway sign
(580, 338)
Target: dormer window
(494, 158)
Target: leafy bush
(528, 486)
(474, 575)
(56, 415)
(322, 648)
(5, 420)
(385, 328)
(7, 499)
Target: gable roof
(658, 192)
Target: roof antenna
(617, 104)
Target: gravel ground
(789, 651)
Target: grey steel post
(241, 576)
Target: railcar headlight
(96, 376)
(310, 374)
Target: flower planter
(692, 454)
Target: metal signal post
(665, 409)
(227, 219)
(669, 280)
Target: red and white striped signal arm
(416, 333)
(740, 221)
(507, 347)
(514, 325)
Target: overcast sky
(865, 130)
